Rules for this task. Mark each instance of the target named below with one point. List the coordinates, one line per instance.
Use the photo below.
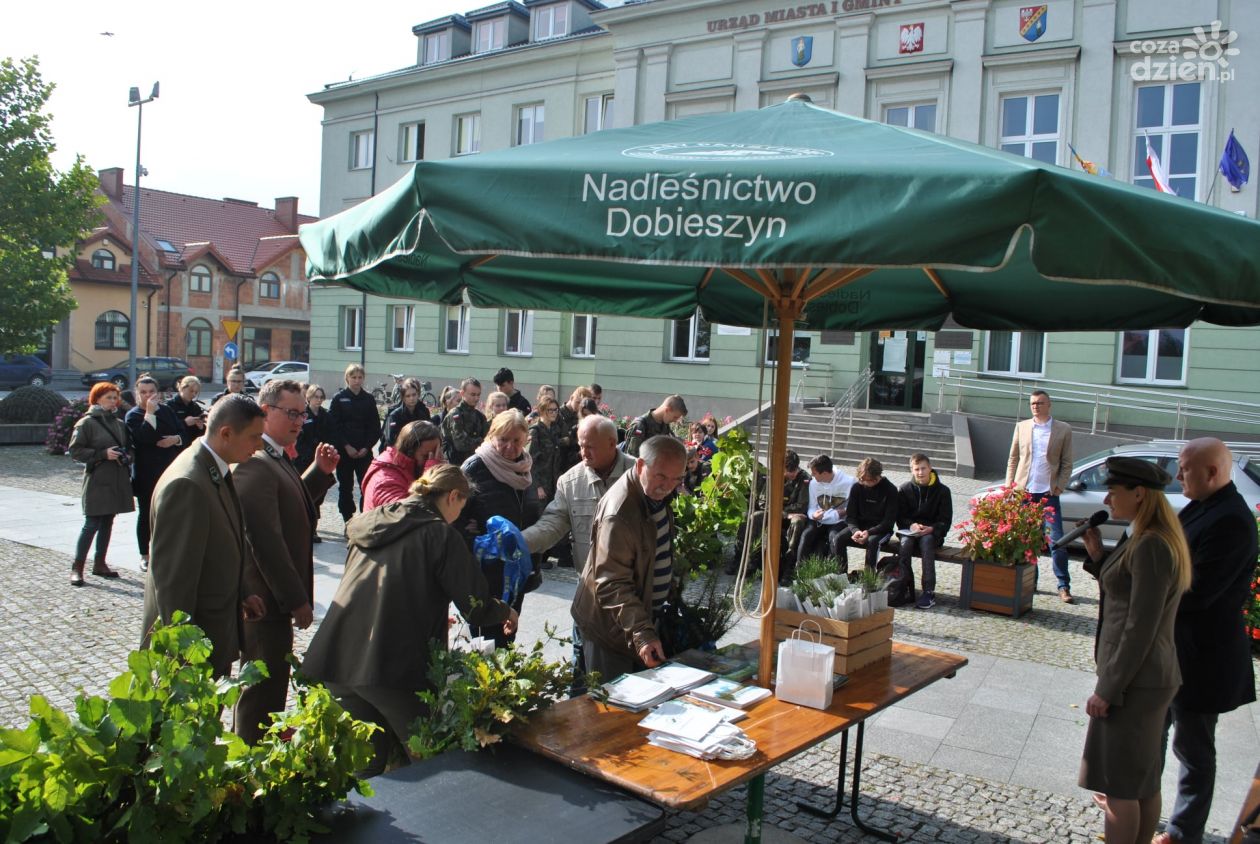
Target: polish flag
(1158, 173)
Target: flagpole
(1211, 187)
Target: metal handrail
(848, 400)
(797, 397)
(1103, 398)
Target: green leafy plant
(478, 698)
(1007, 527)
(870, 580)
(698, 615)
(151, 762)
(1252, 608)
(705, 521)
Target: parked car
(20, 370)
(1085, 491)
(166, 371)
(294, 369)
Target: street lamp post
(134, 100)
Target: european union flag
(1234, 164)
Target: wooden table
(607, 743)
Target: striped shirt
(663, 568)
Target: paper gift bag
(805, 669)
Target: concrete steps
(889, 436)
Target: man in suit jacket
(280, 512)
(1212, 645)
(197, 550)
(1041, 463)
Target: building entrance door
(897, 363)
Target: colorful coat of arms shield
(1032, 21)
(802, 50)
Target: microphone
(1093, 522)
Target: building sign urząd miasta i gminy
(796, 13)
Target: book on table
(734, 661)
(635, 693)
(678, 675)
(729, 693)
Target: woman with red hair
(99, 442)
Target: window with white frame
(1169, 116)
(402, 328)
(352, 327)
(437, 47)
(103, 259)
(1157, 356)
(456, 334)
(689, 338)
(199, 279)
(518, 333)
(551, 21)
(411, 139)
(800, 348)
(598, 113)
(269, 286)
(529, 124)
(1030, 126)
(490, 35)
(362, 150)
(583, 344)
(467, 134)
(913, 115)
(1015, 352)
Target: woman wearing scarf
(500, 472)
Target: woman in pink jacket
(392, 473)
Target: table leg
(756, 796)
(857, 781)
(832, 812)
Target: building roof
(495, 9)
(441, 23)
(229, 229)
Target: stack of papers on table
(679, 676)
(728, 693)
(637, 693)
(693, 728)
(734, 662)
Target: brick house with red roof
(202, 261)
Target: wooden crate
(859, 642)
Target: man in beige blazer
(197, 550)
(280, 514)
(1041, 462)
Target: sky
(232, 118)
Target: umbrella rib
(834, 279)
(477, 262)
(708, 275)
(801, 281)
(936, 280)
(749, 281)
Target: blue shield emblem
(802, 50)
(1032, 21)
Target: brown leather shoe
(76, 572)
(1065, 595)
(101, 570)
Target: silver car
(1085, 491)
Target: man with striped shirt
(627, 576)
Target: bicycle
(426, 395)
(386, 396)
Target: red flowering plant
(1007, 527)
(1252, 608)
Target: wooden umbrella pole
(787, 311)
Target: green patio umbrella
(836, 222)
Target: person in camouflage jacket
(465, 427)
(655, 422)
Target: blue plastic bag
(504, 541)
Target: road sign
(230, 351)
(231, 326)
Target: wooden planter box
(858, 643)
(1007, 590)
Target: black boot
(76, 572)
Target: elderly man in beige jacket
(578, 492)
(1041, 463)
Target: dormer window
(490, 35)
(103, 259)
(551, 21)
(437, 47)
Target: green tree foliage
(41, 209)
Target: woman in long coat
(99, 442)
(404, 567)
(156, 439)
(1141, 582)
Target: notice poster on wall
(962, 358)
(734, 330)
(940, 356)
(895, 353)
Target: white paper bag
(805, 670)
